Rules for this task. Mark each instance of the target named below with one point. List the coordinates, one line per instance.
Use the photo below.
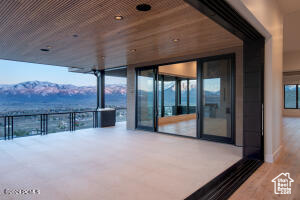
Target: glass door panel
(169, 96)
(216, 99)
(183, 103)
(145, 98)
(192, 106)
(177, 96)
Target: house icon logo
(283, 184)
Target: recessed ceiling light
(45, 50)
(132, 50)
(119, 17)
(143, 7)
(176, 40)
(103, 57)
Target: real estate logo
(283, 184)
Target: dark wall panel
(253, 98)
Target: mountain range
(45, 95)
(32, 88)
(40, 96)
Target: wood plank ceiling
(26, 26)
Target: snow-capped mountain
(31, 88)
(45, 89)
(37, 95)
(115, 89)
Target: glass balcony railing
(178, 110)
(41, 124)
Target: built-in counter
(106, 117)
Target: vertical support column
(131, 97)
(102, 89)
(100, 74)
(188, 96)
(179, 92)
(162, 103)
(176, 96)
(199, 102)
(155, 98)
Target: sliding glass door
(216, 103)
(193, 99)
(145, 98)
(176, 99)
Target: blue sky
(212, 84)
(12, 72)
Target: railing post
(94, 122)
(162, 103)
(8, 127)
(188, 96)
(74, 117)
(72, 121)
(41, 124)
(96, 119)
(12, 128)
(46, 123)
(5, 128)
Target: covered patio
(109, 163)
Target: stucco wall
(291, 56)
(291, 61)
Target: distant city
(36, 97)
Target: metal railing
(13, 126)
(179, 110)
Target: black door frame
(154, 125)
(199, 107)
(200, 114)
